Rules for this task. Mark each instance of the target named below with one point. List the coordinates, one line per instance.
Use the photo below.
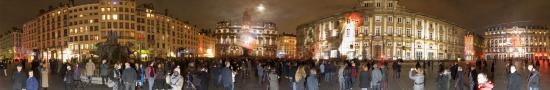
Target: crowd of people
(198, 74)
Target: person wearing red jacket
(483, 82)
(151, 75)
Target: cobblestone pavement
(403, 83)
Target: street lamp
(67, 53)
(260, 8)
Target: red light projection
(355, 17)
(515, 41)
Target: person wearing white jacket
(90, 68)
(176, 80)
(418, 78)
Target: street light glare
(260, 7)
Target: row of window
(260, 31)
(119, 9)
(524, 49)
(515, 32)
(378, 4)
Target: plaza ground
(403, 83)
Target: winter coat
(322, 68)
(312, 82)
(364, 79)
(32, 83)
(486, 86)
(116, 76)
(459, 83)
(418, 81)
(514, 81)
(151, 73)
(300, 84)
(226, 77)
(176, 82)
(273, 81)
(353, 71)
(534, 78)
(376, 75)
(44, 75)
(129, 75)
(90, 68)
(472, 80)
(443, 82)
(69, 76)
(454, 71)
(18, 80)
(104, 70)
(76, 73)
(396, 67)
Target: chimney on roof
(41, 11)
(50, 8)
(165, 12)
(72, 2)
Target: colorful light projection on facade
(350, 25)
(247, 38)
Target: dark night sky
(287, 14)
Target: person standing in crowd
(352, 75)
(273, 80)
(129, 77)
(4, 67)
(396, 69)
(202, 78)
(376, 75)
(226, 77)
(472, 76)
(104, 71)
(384, 71)
(76, 73)
(312, 81)
(116, 76)
(68, 78)
(484, 83)
(444, 80)
(151, 75)
(300, 78)
(454, 70)
(292, 74)
(341, 76)
(534, 78)
(459, 78)
(322, 68)
(160, 82)
(260, 72)
(514, 79)
(176, 80)
(364, 81)
(18, 78)
(32, 82)
(90, 68)
(44, 73)
(418, 79)
(140, 75)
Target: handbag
(110, 83)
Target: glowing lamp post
(67, 53)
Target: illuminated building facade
(207, 44)
(10, 44)
(248, 38)
(71, 31)
(474, 47)
(380, 30)
(517, 40)
(286, 46)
